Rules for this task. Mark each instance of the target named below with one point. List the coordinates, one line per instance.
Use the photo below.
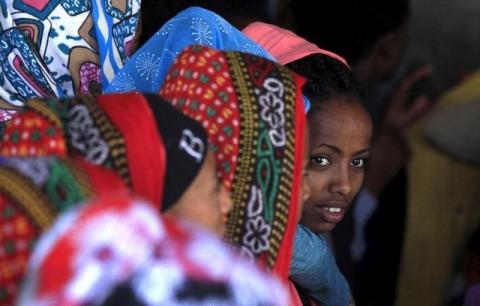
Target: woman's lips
(332, 212)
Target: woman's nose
(341, 183)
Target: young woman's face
(340, 135)
(206, 201)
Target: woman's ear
(388, 52)
(226, 203)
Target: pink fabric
(6, 115)
(89, 72)
(284, 45)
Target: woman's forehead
(346, 124)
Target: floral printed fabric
(146, 70)
(253, 112)
(61, 47)
(117, 248)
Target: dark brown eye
(320, 161)
(358, 162)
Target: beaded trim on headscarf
(43, 186)
(31, 199)
(106, 145)
(275, 145)
(247, 105)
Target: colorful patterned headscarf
(122, 132)
(110, 131)
(146, 70)
(37, 181)
(61, 48)
(32, 192)
(253, 111)
(116, 250)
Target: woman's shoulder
(307, 238)
(309, 247)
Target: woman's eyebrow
(331, 147)
(367, 150)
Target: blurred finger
(419, 108)
(400, 94)
(415, 76)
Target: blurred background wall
(447, 34)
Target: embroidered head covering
(32, 192)
(284, 45)
(116, 250)
(253, 112)
(61, 48)
(146, 70)
(36, 185)
(119, 132)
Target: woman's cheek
(318, 184)
(358, 182)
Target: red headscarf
(116, 249)
(253, 111)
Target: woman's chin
(321, 228)
(326, 228)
